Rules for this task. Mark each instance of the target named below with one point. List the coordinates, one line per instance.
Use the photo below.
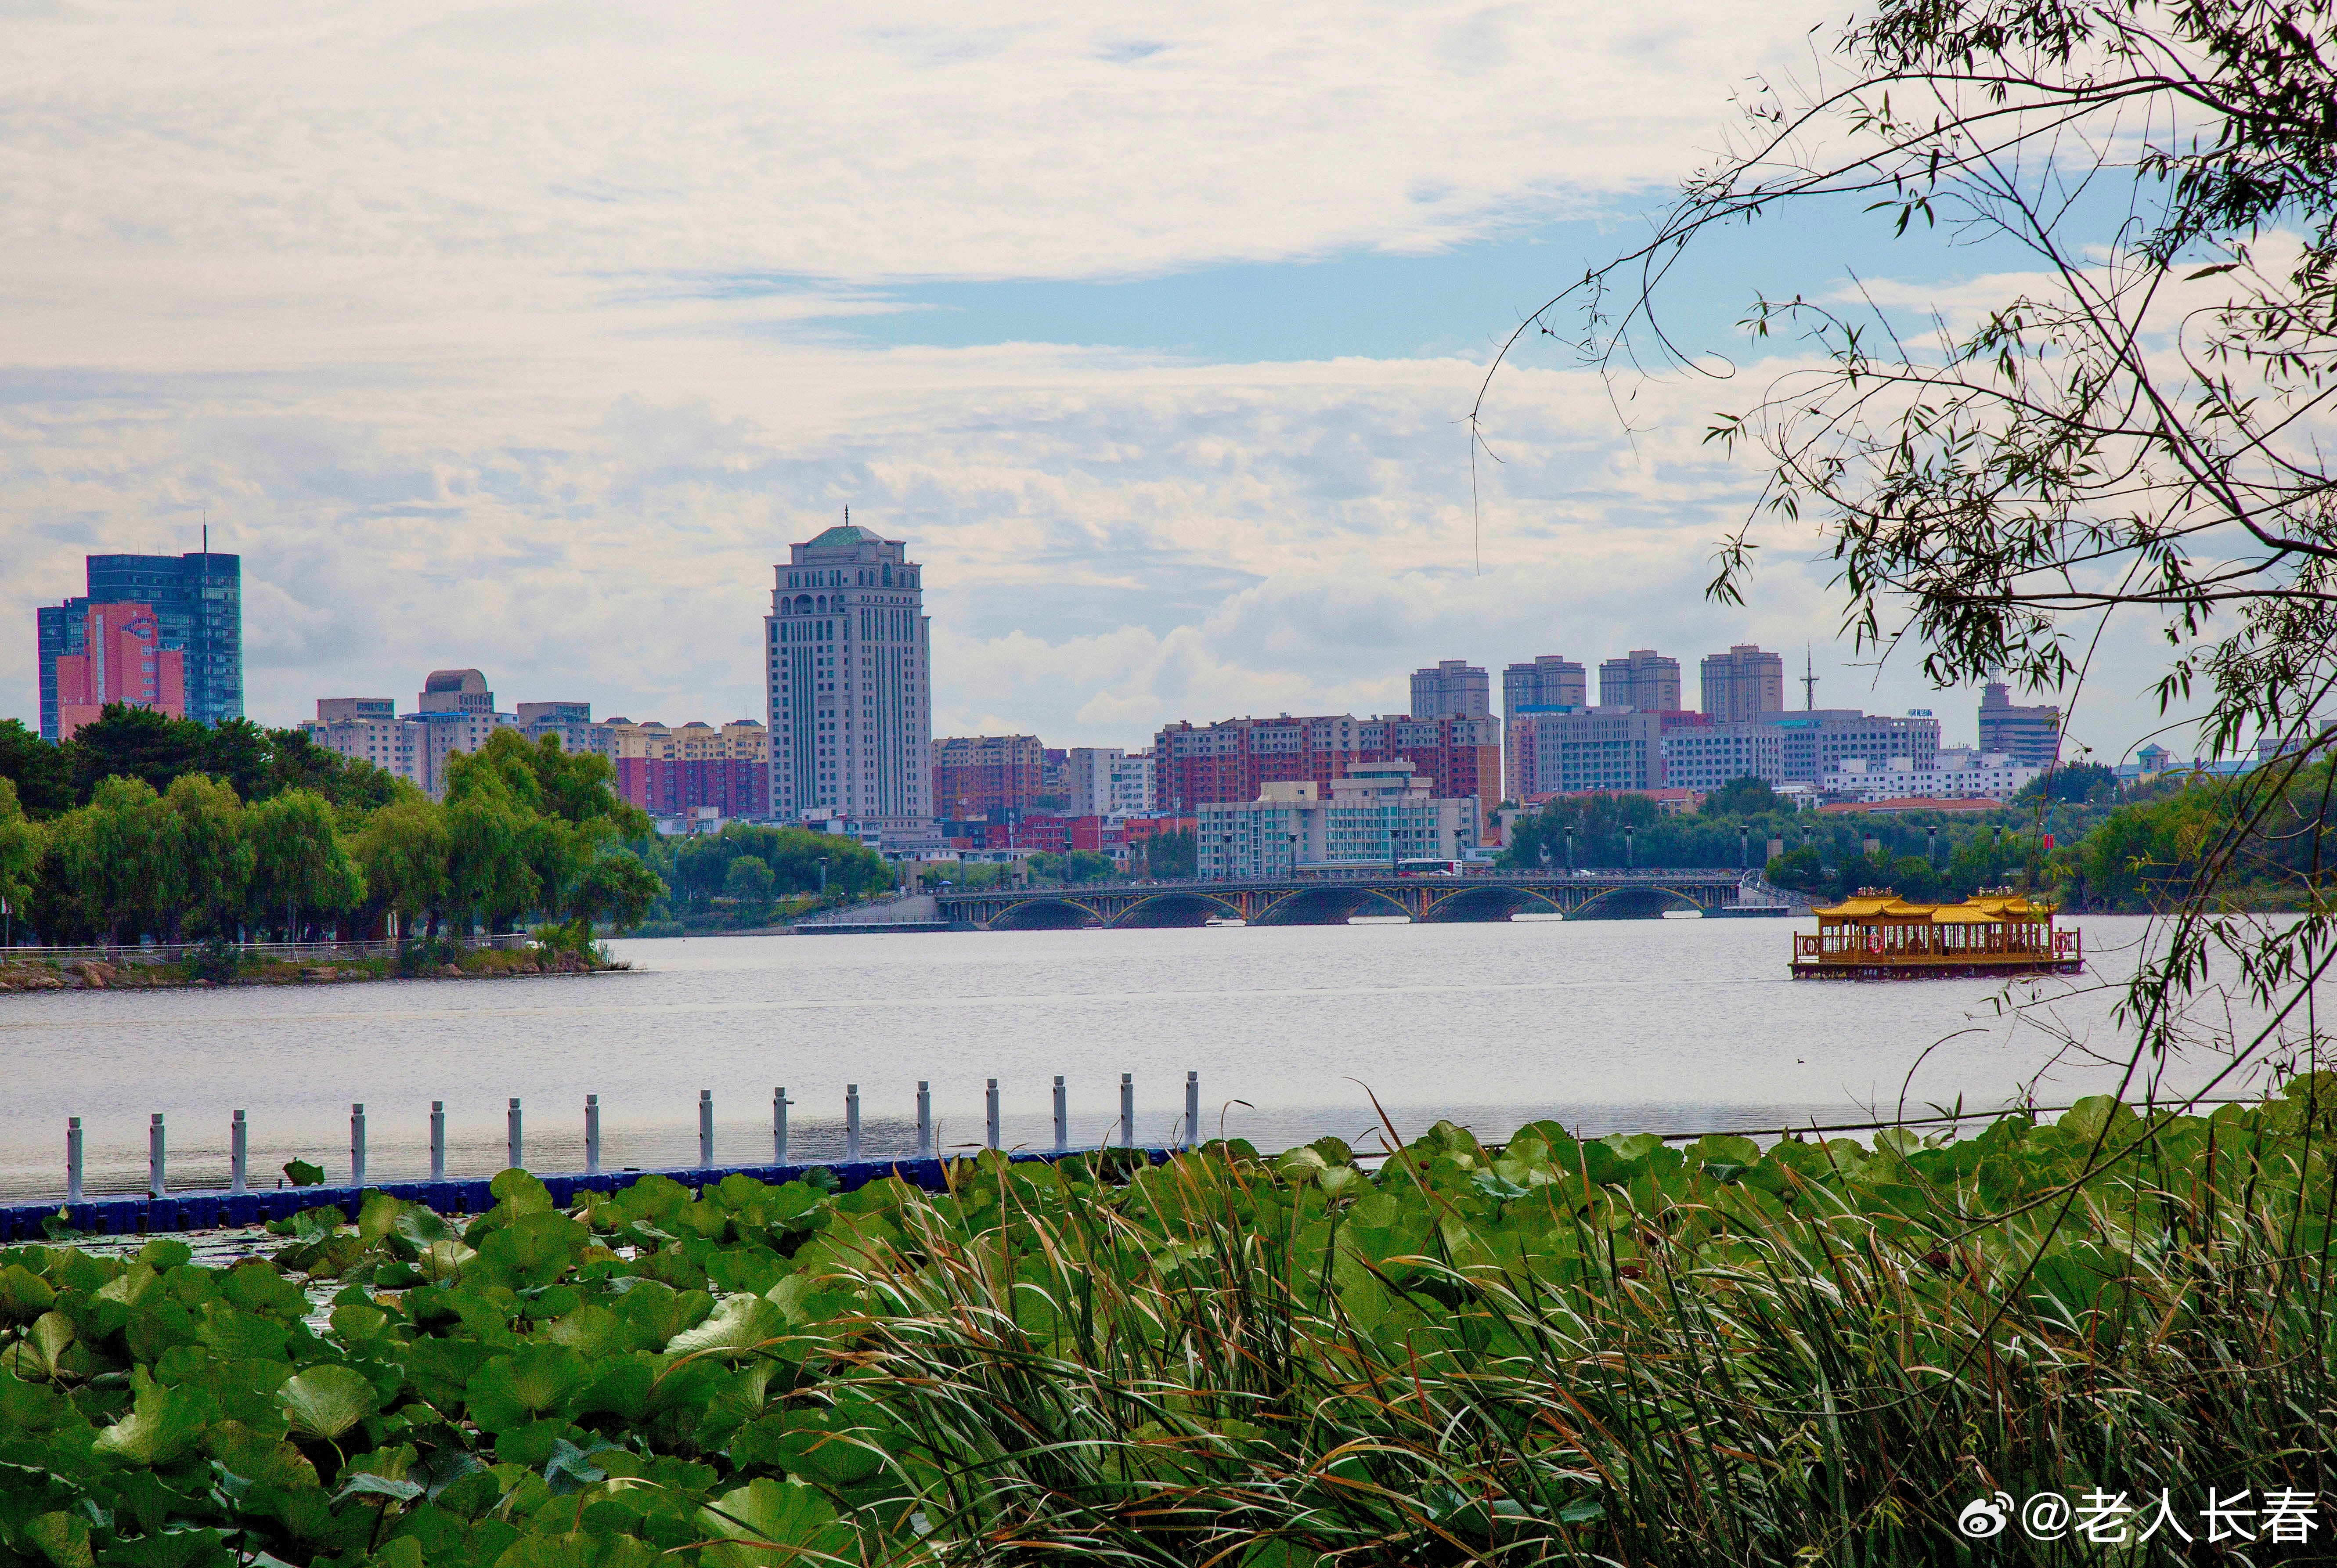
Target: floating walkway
(140, 1214)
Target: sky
(528, 337)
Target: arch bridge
(1330, 901)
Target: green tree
(23, 846)
(2072, 782)
(1745, 797)
(618, 890)
(567, 807)
(126, 859)
(41, 773)
(1172, 857)
(404, 850)
(125, 743)
(751, 881)
(1073, 867)
(491, 845)
(300, 862)
(215, 854)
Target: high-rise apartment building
(2031, 737)
(666, 771)
(122, 659)
(1742, 684)
(197, 602)
(987, 775)
(1233, 759)
(1106, 781)
(1453, 689)
(1551, 681)
(1642, 678)
(849, 650)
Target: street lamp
(823, 875)
(1570, 847)
(1630, 861)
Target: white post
(706, 1129)
(73, 1158)
(1062, 1118)
(238, 1154)
(925, 1120)
(357, 1146)
(852, 1120)
(156, 1182)
(779, 1125)
(592, 1134)
(992, 1097)
(438, 1140)
(1128, 1111)
(512, 1136)
(1192, 1109)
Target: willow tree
(2137, 424)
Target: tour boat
(1879, 935)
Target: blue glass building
(198, 598)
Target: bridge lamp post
(823, 875)
(1932, 847)
(1630, 843)
(1743, 845)
(1570, 847)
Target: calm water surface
(1611, 1025)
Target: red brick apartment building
(986, 775)
(1200, 765)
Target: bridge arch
(1043, 914)
(1184, 906)
(1634, 901)
(1466, 905)
(1326, 904)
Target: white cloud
(492, 336)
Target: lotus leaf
(162, 1423)
(326, 1401)
(62, 1538)
(23, 1295)
(179, 1546)
(301, 1173)
(510, 1390)
(772, 1524)
(259, 1456)
(738, 1325)
(38, 1353)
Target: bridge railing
(1622, 875)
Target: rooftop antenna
(1809, 680)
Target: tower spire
(1809, 680)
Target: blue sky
(493, 336)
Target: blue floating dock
(141, 1215)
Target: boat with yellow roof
(1879, 935)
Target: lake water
(1610, 1025)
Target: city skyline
(1189, 450)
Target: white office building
(1959, 773)
(1379, 815)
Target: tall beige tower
(1742, 684)
(849, 650)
